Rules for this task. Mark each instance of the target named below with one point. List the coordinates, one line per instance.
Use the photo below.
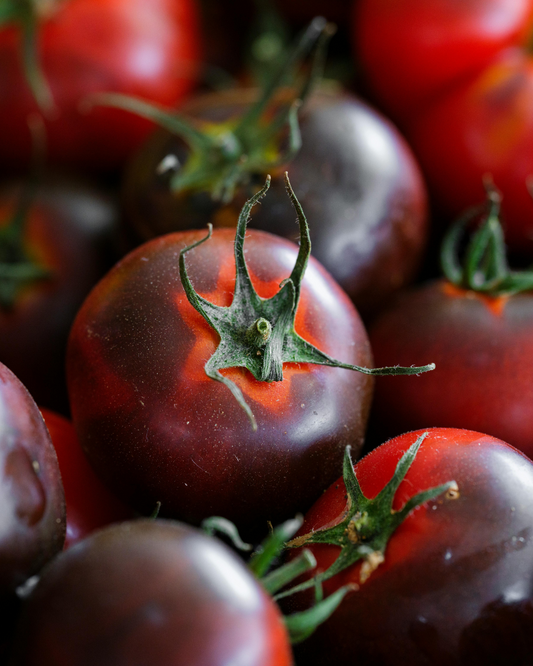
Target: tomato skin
(458, 79)
(457, 38)
(89, 503)
(148, 48)
(151, 592)
(31, 492)
(483, 127)
(355, 176)
(482, 348)
(454, 570)
(68, 232)
(156, 428)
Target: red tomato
(89, 504)
(454, 585)
(483, 349)
(148, 48)
(414, 50)
(151, 592)
(458, 78)
(156, 428)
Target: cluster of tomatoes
(200, 291)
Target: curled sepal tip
(257, 333)
(482, 266)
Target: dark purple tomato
(68, 235)
(31, 493)
(454, 583)
(483, 349)
(156, 428)
(355, 176)
(151, 592)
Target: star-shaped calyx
(257, 333)
(368, 524)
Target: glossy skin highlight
(32, 504)
(151, 592)
(156, 428)
(454, 586)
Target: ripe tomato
(151, 592)
(148, 48)
(482, 347)
(478, 327)
(457, 39)
(31, 492)
(454, 583)
(67, 233)
(355, 175)
(156, 428)
(89, 503)
(458, 78)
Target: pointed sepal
(256, 333)
(368, 524)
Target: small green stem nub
(256, 333)
(259, 332)
(482, 267)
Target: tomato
(148, 48)
(355, 175)
(453, 585)
(89, 503)
(458, 78)
(457, 39)
(477, 325)
(66, 234)
(481, 346)
(154, 425)
(151, 592)
(32, 499)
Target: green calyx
(483, 267)
(257, 333)
(299, 625)
(225, 155)
(368, 524)
(27, 14)
(17, 268)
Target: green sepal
(224, 526)
(264, 356)
(272, 546)
(368, 524)
(301, 625)
(225, 155)
(483, 266)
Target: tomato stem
(225, 155)
(26, 14)
(484, 266)
(271, 321)
(368, 524)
